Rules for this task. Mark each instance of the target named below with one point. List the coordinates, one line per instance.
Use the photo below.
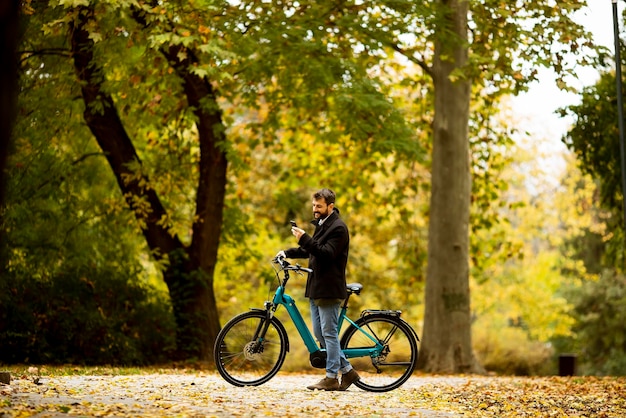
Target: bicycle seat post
(345, 302)
(351, 289)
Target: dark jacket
(327, 250)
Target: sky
(534, 110)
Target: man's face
(320, 209)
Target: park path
(208, 395)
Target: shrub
(83, 317)
(508, 350)
(600, 309)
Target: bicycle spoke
(383, 341)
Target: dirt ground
(205, 395)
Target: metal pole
(620, 106)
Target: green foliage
(594, 138)
(82, 316)
(600, 309)
(511, 40)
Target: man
(327, 251)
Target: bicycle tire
(237, 361)
(397, 363)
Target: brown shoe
(327, 383)
(348, 379)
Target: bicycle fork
(261, 329)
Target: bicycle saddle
(354, 288)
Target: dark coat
(327, 250)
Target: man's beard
(322, 215)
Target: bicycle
(251, 348)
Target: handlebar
(285, 265)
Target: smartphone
(293, 224)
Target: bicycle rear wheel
(243, 357)
(397, 361)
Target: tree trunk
(189, 275)
(447, 343)
(9, 36)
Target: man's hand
(281, 254)
(297, 232)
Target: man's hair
(326, 194)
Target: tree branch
(28, 54)
(104, 122)
(85, 156)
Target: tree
(447, 279)
(480, 48)
(9, 37)
(188, 269)
(594, 139)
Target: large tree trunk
(447, 343)
(189, 275)
(9, 35)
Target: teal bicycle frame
(280, 298)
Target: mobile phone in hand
(293, 224)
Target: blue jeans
(324, 321)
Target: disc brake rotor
(251, 352)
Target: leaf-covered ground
(192, 393)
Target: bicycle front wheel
(396, 362)
(243, 356)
